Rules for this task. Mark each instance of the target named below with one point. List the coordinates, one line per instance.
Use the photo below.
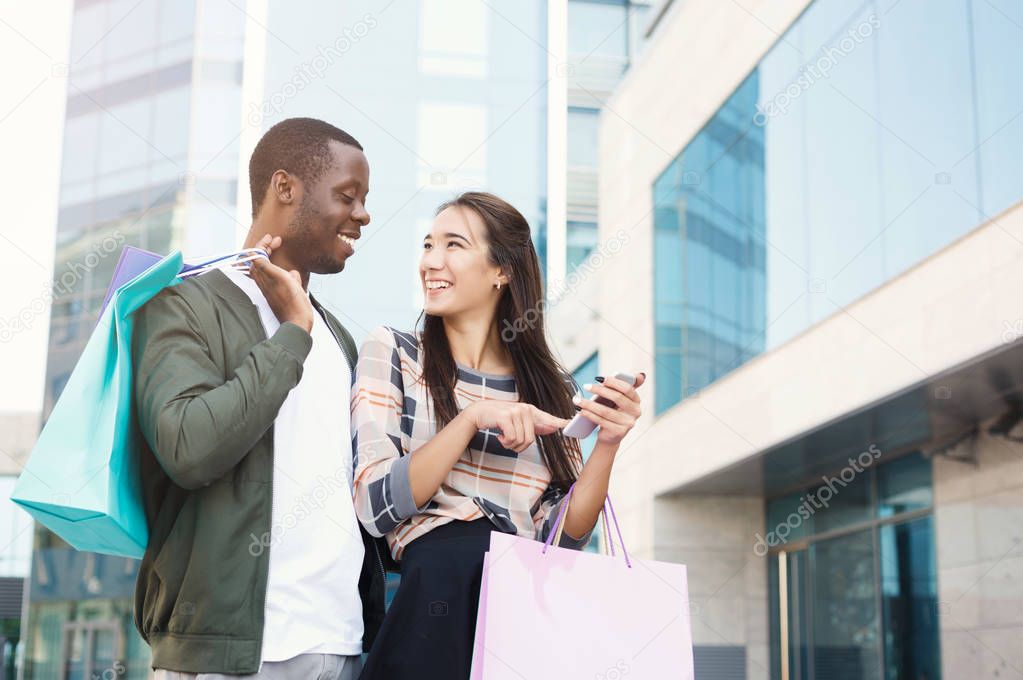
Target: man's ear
(284, 187)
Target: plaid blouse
(390, 419)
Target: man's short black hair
(298, 145)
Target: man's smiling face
(331, 213)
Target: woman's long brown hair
(539, 378)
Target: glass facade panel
(850, 501)
(710, 230)
(845, 617)
(909, 591)
(904, 485)
(996, 43)
(834, 167)
(598, 27)
(785, 519)
(582, 239)
(582, 136)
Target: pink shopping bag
(550, 612)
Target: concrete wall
(714, 536)
(978, 525)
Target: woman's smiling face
(455, 268)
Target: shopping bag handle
(233, 260)
(559, 525)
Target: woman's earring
(498, 286)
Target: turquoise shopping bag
(82, 480)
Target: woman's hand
(614, 424)
(518, 423)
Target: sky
(34, 44)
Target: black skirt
(430, 626)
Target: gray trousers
(301, 667)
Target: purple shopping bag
(550, 612)
(133, 261)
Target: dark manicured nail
(643, 375)
(599, 378)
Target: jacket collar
(225, 288)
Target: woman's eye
(427, 246)
(454, 243)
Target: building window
(598, 27)
(581, 241)
(825, 175)
(853, 585)
(709, 253)
(582, 137)
(92, 650)
(15, 533)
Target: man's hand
(282, 289)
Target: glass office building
(760, 220)
(868, 141)
(604, 36)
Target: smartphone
(580, 426)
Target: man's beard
(301, 235)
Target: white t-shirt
(316, 551)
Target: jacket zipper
(351, 367)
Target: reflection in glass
(845, 616)
(849, 500)
(797, 628)
(904, 485)
(709, 252)
(854, 587)
(909, 591)
(786, 521)
(843, 180)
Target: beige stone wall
(978, 526)
(714, 537)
